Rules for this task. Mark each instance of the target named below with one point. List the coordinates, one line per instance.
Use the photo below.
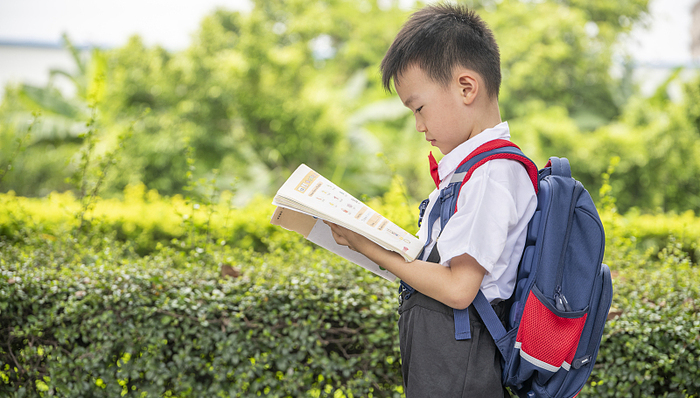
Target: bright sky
(668, 38)
(169, 23)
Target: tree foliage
(290, 82)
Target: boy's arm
(455, 286)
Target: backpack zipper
(560, 301)
(599, 322)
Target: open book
(307, 198)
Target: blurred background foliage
(292, 82)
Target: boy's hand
(346, 237)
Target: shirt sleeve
(486, 212)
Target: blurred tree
(256, 94)
(658, 142)
(296, 81)
(562, 56)
(56, 133)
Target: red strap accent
(434, 170)
(494, 144)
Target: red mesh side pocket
(548, 338)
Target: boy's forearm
(455, 286)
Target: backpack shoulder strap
(446, 205)
(495, 149)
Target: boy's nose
(420, 126)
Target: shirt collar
(449, 162)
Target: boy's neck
(491, 117)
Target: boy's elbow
(460, 305)
(461, 300)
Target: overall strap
(446, 206)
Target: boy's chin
(442, 150)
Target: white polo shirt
(493, 210)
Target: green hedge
(651, 347)
(143, 218)
(99, 320)
(86, 314)
(147, 221)
(107, 323)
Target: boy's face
(440, 112)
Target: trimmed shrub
(144, 219)
(296, 323)
(651, 346)
(87, 314)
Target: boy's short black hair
(439, 38)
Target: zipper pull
(560, 301)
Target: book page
(308, 192)
(316, 231)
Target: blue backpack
(563, 290)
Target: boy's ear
(469, 86)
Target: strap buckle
(405, 292)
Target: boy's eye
(418, 109)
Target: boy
(445, 66)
